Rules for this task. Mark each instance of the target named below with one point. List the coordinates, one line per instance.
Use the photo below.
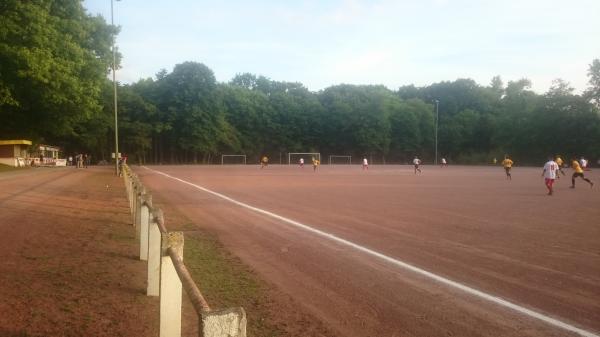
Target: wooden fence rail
(167, 274)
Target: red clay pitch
(468, 224)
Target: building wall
(8, 161)
(21, 150)
(7, 151)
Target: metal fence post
(170, 286)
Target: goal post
(339, 159)
(233, 159)
(294, 157)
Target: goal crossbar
(241, 156)
(333, 157)
(309, 155)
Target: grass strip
(226, 282)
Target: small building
(48, 152)
(14, 152)
(48, 155)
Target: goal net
(335, 159)
(233, 159)
(294, 157)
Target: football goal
(338, 160)
(294, 157)
(233, 159)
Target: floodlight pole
(437, 116)
(114, 66)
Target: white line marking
(443, 280)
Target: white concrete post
(139, 201)
(223, 323)
(131, 195)
(138, 211)
(154, 253)
(170, 287)
(126, 181)
(146, 201)
(137, 191)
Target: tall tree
(593, 92)
(54, 61)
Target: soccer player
(578, 173)
(550, 173)
(444, 163)
(560, 163)
(315, 163)
(584, 163)
(507, 164)
(365, 164)
(264, 162)
(417, 162)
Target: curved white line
(443, 280)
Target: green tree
(192, 107)
(411, 129)
(358, 118)
(593, 92)
(54, 61)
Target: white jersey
(443, 160)
(365, 162)
(416, 161)
(583, 162)
(301, 160)
(550, 169)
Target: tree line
(54, 89)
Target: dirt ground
(69, 264)
(468, 224)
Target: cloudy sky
(326, 42)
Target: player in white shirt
(301, 162)
(365, 164)
(417, 162)
(584, 163)
(549, 173)
(444, 163)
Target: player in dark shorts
(507, 163)
(264, 162)
(417, 162)
(578, 173)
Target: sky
(328, 42)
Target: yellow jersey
(575, 165)
(507, 163)
(559, 161)
(316, 162)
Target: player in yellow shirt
(264, 161)
(560, 163)
(507, 164)
(578, 173)
(315, 163)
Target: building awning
(49, 148)
(15, 142)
